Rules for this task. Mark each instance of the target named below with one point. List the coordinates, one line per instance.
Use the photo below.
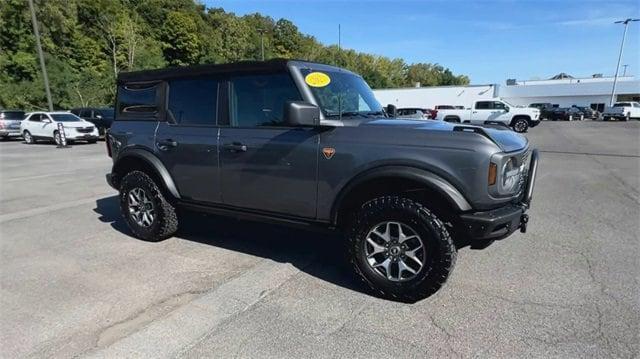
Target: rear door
(266, 165)
(481, 112)
(187, 142)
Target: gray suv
(308, 144)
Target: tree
(286, 38)
(180, 42)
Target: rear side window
(258, 100)
(484, 105)
(138, 100)
(11, 115)
(193, 101)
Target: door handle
(235, 147)
(165, 145)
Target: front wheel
(521, 125)
(145, 209)
(400, 249)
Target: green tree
(180, 42)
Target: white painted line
(54, 207)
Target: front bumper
(82, 136)
(503, 221)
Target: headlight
(510, 176)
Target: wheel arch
(395, 179)
(139, 159)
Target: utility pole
(615, 78)
(39, 48)
(624, 70)
(261, 32)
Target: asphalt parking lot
(75, 283)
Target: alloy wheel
(520, 126)
(141, 208)
(395, 251)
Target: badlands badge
(328, 152)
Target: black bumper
(495, 224)
(534, 123)
(501, 222)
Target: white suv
(44, 126)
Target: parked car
(588, 112)
(270, 141)
(445, 107)
(545, 109)
(44, 126)
(10, 123)
(419, 113)
(566, 114)
(622, 111)
(101, 117)
(494, 111)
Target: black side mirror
(391, 110)
(506, 109)
(300, 113)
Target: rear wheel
(57, 138)
(28, 139)
(145, 209)
(400, 249)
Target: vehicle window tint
(35, 117)
(137, 99)
(193, 101)
(259, 100)
(84, 113)
(636, 104)
(484, 105)
(498, 106)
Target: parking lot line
(54, 207)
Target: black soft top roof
(197, 70)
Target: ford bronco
(308, 144)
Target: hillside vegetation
(88, 42)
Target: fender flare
(155, 163)
(429, 179)
(516, 117)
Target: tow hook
(523, 223)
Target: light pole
(39, 48)
(261, 32)
(624, 35)
(624, 70)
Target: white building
(593, 91)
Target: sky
(487, 40)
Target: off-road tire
(441, 251)
(165, 223)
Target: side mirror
(46, 120)
(99, 117)
(506, 109)
(391, 110)
(300, 113)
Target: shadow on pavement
(321, 255)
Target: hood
(507, 140)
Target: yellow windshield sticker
(317, 79)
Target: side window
(84, 114)
(193, 101)
(484, 105)
(138, 100)
(35, 117)
(498, 106)
(635, 104)
(258, 100)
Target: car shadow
(321, 255)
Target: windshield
(65, 117)
(11, 115)
(342, 94)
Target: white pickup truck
(622, 111)
(494, 111)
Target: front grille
(84, 129)
(524, 162)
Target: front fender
(429, 179)
(151, 160)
